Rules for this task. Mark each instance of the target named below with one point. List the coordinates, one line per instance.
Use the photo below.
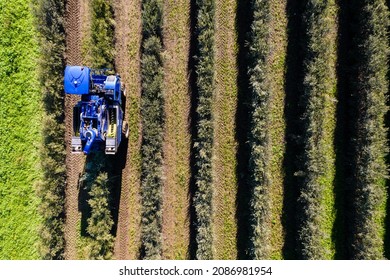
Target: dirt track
(122, 35)
(128, 36)
(278, 44)
(175, 227)
(74, 163)
(225, 162)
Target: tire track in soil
(74, 162)
(225, 145)
(278, 44)
(175, 226)
(127, 64)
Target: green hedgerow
(203, 144)
(50, 25)
(370, 145)
(152, 116)
(259, 159)
(316, 201)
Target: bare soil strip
(278, 42)
(74, 163)
(85, 13)
(121, 63)
(127, 63)
(128, 37)
(225, 105)
(176, 34)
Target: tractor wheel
(124, 91)
(125, 129)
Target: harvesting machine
(98, 118)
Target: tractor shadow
(86, 180)
(95, 164)
(115, 165)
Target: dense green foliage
(95, 179)
(20, 132)
(50, 24)
(102, 34)
(370, 143)
(203, 144)
(96, 182)
(152, 117)
(315, 202)
(100, 222)
(259, 160)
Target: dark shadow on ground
(96, 163)
(83, 198)
(387, 220)
(342, 132)
(294, 130)
(347, 127)
(115, 165)
(243, 22)
(193, 91)
(86, 180)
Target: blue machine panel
(77, 80)
(110, 82)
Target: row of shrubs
(258, 139)
(369, 144)
(315, 201)
(50, 24)
(95, 179)
(152, 117)
(102, 34)
(204, 130)
(96, 184)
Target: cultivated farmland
(257, 130)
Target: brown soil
(278, 42)
(127, 63)
(175, 227)
(225, 145)
(74, 163)
(85, 31)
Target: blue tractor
(98, 118)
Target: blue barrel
(77, 80)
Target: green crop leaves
(203, 144)
(50, 24)
(316, 214)
(103, 34)
(95, 181)
(20, 132)
(152, 117)
(370, 144)
(100, 222)
(152, 11)
(259, 161)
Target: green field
(20, 132)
